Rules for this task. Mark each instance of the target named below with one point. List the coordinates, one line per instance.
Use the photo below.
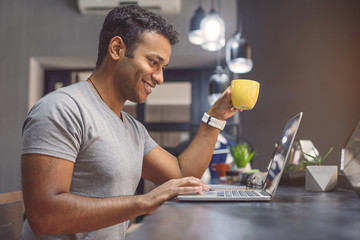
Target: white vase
(321, 178)
(246, 168)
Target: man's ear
(116, 48)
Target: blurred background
(305, 55)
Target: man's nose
(158, 76)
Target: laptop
(350, 159)
(267, 191)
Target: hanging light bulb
(218, 82)
(238, 54)
(195, 34)
(238, 51)
(213, 31)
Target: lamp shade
(213, 32)
(218, 82)
(238, 54)
(195, 34)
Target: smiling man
(83, 157)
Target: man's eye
(153, 62)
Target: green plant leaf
(322, 160)
(310, 156)
(318, 160)
(242, 155)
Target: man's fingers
(188, 190)
(190, 185)
(187, 181)
(185, 185)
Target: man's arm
(160, 166)
(51, 209)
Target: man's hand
(171, 189)
(223, 109)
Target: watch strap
(213, 122)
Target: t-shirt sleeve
(150, 144)
(53, 127)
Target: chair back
(11, 215)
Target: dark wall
(306, 57)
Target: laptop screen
(351, 158)
(281, 153)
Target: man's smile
(148, 86)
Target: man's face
(137, 76)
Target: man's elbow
(41, 223)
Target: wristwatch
(213, 122)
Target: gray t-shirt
(73, 123)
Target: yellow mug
(244, 93)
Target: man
(83, 157)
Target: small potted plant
(319, 177)
(242, 154)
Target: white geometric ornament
(321, 178)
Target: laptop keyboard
(241, 193)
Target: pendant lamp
(238, 52)
(213, 31)
(195, 34)
(218, 81)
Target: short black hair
(130, 22)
